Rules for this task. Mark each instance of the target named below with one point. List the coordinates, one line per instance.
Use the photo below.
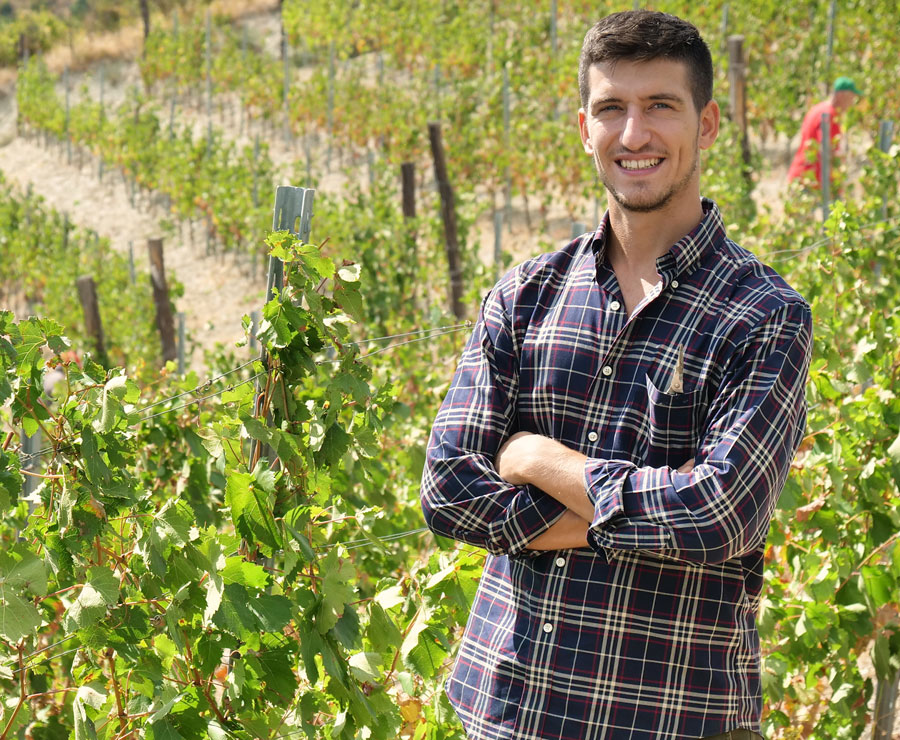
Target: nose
(635, 134)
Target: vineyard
(235, 548)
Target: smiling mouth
(639, 164)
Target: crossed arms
(487, 484)
(559, 472)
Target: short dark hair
(644, 35)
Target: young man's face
(644, 133)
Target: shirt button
(607, 370)
(592, 436)
(675, 283)
(548, 627)
(615, 306)
(560, 562)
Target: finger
(687, 467)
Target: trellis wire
(816, 245)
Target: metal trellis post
(293, 213)
(825, 161)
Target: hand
(686, 467)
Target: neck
(637, 240)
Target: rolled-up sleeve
(462, 495)
(722, 508)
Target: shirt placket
(551, 616)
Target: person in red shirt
(842, 97)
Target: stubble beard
(634, 204)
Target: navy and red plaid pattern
(650, 634)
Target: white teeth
(639, 164)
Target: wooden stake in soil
(165, 322)
(448, 214)
(408, 181)
(408, 189)
(737, 77)
(87, 294)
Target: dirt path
(218, 290)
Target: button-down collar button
(614, 306)
(592, 436)
(548, 627)
(560, 562)
(607, 370)
(675, 284)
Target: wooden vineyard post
(209, 84)
(68, 117)
(408, 183)
(448, 214)
(498, 243)
(829, 49)
(165, 323)
(286, 90)
(408, 191)
(330, 102)
(87, 295)
(737, 77)
(182, 342)
(507, 179)
(292, 212)
(885, 136)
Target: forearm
(548, 465)
(568, 532)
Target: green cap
(845, 83)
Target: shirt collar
(682, 256)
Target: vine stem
(123, 721)
(39, 423)
(389, 674)
(856, 571)
(41, 475)
(201, 684)
(23, 694)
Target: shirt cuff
(607, 482)
(604, 481)
(534, 513)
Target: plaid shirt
(651, 633)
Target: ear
(709, 124)
(585, 132)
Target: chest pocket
(675, 422)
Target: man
(842, 97)
(617, 433)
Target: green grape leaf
(238, 570)
(22, 569)
(18, 618)
(251, 511)
(337, 590)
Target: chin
(641, 205)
